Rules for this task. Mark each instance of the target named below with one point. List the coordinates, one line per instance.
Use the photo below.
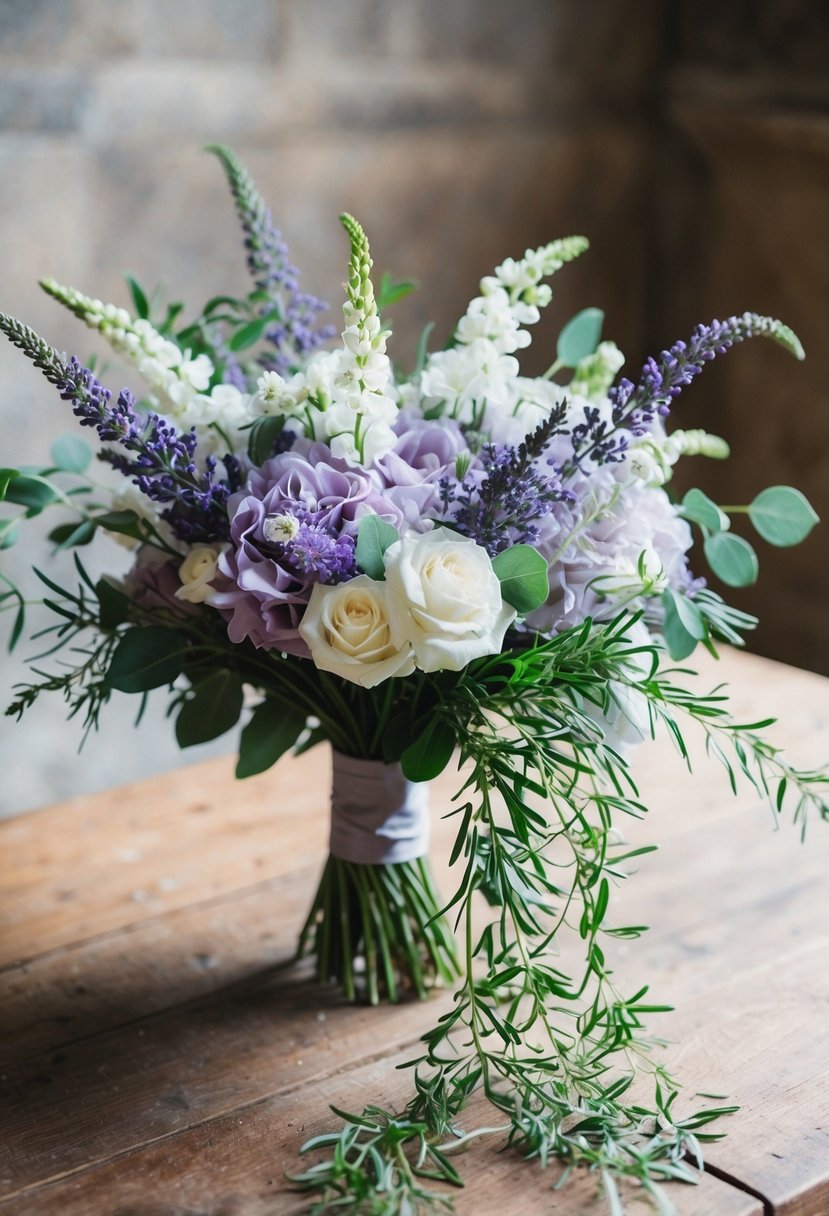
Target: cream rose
(445, 599)
(347, 630)
(196, 573)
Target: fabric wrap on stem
(377, 816)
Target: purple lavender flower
(295, 333)
(294, 524)
(634, 407)
(502, 500)
(160, 459)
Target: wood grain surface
(162, 1055)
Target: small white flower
(280, 528)
(347, 630)
(196, 573)
(445, 600)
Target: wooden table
(153, 1063)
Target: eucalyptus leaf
(9, 532)
(700, 509)
(373, 539)
(732, 559)
(7, 476)
(431, 751)
(782, 515)
(146, 657)
(213, 708)
(71, 454)
(683, 625)
(580, 337)
(273, 729)
(31, 492)
(522, 573)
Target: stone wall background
(692, 149)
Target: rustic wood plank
(98, 864)
(237, 1164)
(237, 1045)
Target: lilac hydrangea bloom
(412, 470)
(293, 525)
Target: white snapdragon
(595, 373)
(444, 600)
(467, 376)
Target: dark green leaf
(699, 508)
(522, 573)
(263, 435)
(31, 492)
(431, 751)
(373, 539)
(212, 709)
(580, 337)
(67, 536)
(782, 515)
(6, 477)
(219, 302)
(139, 299)
(145, 658)
(114, 605)
(273, 729)
(71, 454)
(732, 559)
(125, 523)
(249, 334)
(17, 627)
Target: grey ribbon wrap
(377, 816)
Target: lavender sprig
(634, 407)
(505, 508)
(296, 332)
(41, 354)
(162, 463)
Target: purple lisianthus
(294, 524)
(153, 580)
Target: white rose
(196, 573)
(445, 599)
(346, 627)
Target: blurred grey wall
(459, 132)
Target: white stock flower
(445, 599)
(347, 630)
(196, 573)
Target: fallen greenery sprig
(555, 1054)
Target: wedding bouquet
(462, 565)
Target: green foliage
(524, 578)
(373, 539)
(146, 657)
(430, 752)
(139, 298)
(390, 291)
(699, 508)
(212, 708)
(71, 454)
(273, 729)
(550, 1051)
(782, 515)
(732, 559)
(683, 626)
(263, 436)
(579, 337)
